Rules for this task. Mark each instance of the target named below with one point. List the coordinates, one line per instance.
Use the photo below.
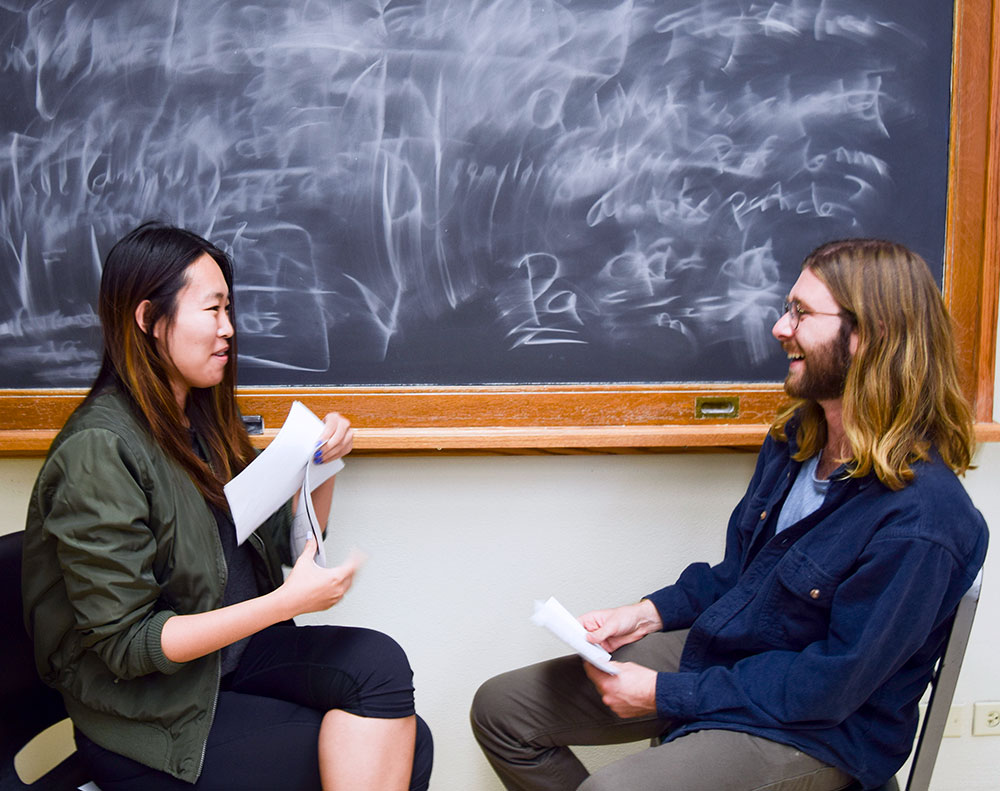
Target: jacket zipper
(218, 661)
(211, 718)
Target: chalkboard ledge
(506, 440)
(471, 418)
(480, 419)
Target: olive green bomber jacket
(118, 539)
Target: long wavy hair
(151, 263)
(902, 394)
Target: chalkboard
(456, 193)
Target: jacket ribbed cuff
(154, 643)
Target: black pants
(269, 710)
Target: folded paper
(557, 619)
(274, 477)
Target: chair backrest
(943, 690)
(28, 706)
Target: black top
(241, 583)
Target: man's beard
(824, 370)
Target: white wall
(461, 546)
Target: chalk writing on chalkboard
(457, 193)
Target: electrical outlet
(986, 719)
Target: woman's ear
(140, 315)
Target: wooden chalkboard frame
(620, 418)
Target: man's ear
(140, 316)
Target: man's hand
(632, 693)
(611, 629)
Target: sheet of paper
(305, 525)
(278, 472)
(558, 620)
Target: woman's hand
(312, 588)
(336, 440)
(308, 588)
(611, 629)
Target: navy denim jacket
(824, 637)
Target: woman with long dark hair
(173, 647)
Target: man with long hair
(797, 662)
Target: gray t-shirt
(806, 495)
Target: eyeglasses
(795, 313)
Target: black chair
(28, 706)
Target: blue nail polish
(318, 457)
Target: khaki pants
(526, 719)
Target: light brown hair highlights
(902, 394)
(151, 263)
